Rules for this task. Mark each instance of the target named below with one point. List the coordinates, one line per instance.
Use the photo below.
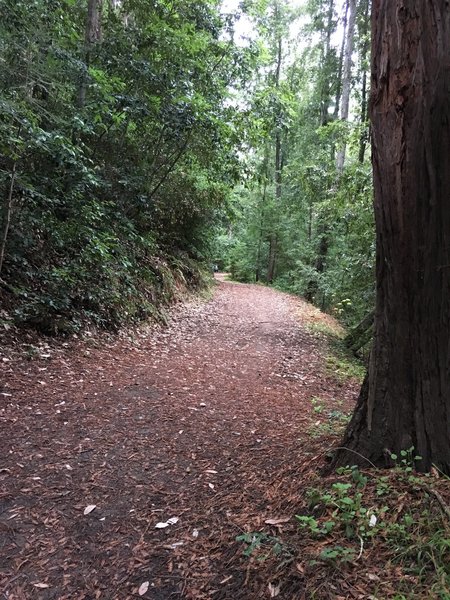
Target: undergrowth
(377, 534)
(339, 362)
(66, 301)
(393, 524)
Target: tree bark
(360, 334)
(405, 400)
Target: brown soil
(207, 420)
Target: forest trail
(208, 420)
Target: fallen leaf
(143, 588)
(274, 590)
(163, 524)
(277, 521)
(89, 508)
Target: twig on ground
(444, 506)
(354, 452)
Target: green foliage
(320, 218)
(395, 516)
(347, 510)
(333, 423)
(114, 189)
(343, 366)
(262, 545)
(339, 362)
(317, 404)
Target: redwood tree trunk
(405, 400)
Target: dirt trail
(206, 420)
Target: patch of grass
(317, 404)
(324, 328)
(342, 364)
(344, 367)
(334, 423)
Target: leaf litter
(122, 402)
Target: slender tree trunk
(323, 228)
(92, 35)
(337, 104)
(326, 48)
(273, 244)
(347, 78)
(310, 220)
(278, 167)
(261, 230)
(405, 399)
(8, 213)
(364, 29)
(278, 192)
(363, 139)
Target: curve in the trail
(206, 420)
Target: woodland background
(142, 142)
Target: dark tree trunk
(273, 243)
(261, 229)
(405, 400)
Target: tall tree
(405, 399)
(278, 133)
(347, 77)
(364, 42)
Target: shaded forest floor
(219, 422)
